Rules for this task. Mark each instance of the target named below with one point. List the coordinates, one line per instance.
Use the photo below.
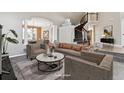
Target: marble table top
(45, 58)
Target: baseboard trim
(17, 55)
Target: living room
(74, 29)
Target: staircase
(80, 28)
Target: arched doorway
(35, 29)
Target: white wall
(14, 21)
(109, 18)
(122, 27)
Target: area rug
(27, 70)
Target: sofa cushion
(38, 51)
(68, 52)
(93, 57)
(66, 46)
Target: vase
(47, 51)
(5, 54)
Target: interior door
(122, 32)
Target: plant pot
(5, 55)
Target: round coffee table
(50, 63)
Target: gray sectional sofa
(87, 65)
(80, 63)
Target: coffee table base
(51, 67)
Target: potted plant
(7, 39)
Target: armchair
(32, 50)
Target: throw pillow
(67, 46)
(76, 48)
(60, 45)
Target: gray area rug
(27, 70)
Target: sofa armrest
(31, 48)
(35, 46)
(107, 62)
(28, 51)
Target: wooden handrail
(84, 18)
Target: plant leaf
(1, 26)
(12, 40)
(3, 35)
(14, 32)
